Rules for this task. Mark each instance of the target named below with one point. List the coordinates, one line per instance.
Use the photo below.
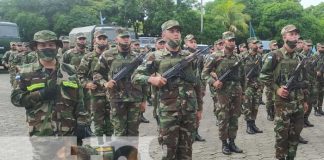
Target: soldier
(74, 55)
(229, 92)
(300, 45)
(14, 60)
(135, 46)
(177, 106)
(312, 89)
(66, 43)
(100, 104)
(242, 48)
(51, 94)
(273, 45)
(160, 44)
(5, 58)
(218, 45)
(277, 68)
(253, 92)
(319, 79)
(191, 46)
(125, 98)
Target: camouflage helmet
(45, 36)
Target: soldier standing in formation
(252, 67)
(125, 98)
(319, 78)
(177, 108)
(74, 55)
(5, 58)
(51, 94)
(289, 111)
(229, 92)
(100, 107)
(191, 46)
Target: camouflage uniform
(5, 58)
(320, 79)
(100, 107)
(125, 97)
(61, 51)
(177, 104)
(252, 92)
(14, 61)
(73, 57)
(288, 112)
(229, 96)
(52, 99)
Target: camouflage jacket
(278, 68)
(110, 63)
(219, 63)
(319, 67)
(73, 57)
(250, 63)
(56, 116)
(5, 58)
(86, 70)
(60, 53)
(179, 93)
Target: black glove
(48, 92)
(82, 131)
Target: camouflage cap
(273, 42)
(12, 43)
(64, 39)
(159, 39)
(218, 41)
(320, 44)
(189, 37)
(170, 24)
(242, 45)
(45, 36)
(122, 33)
(26, 44)
(289, 28)
(135, 41)
(253, 40)
(228, 35)
(80, 35)
(19, 43)
(308, 42)
(100, 33)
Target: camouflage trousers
(101, 116)
(313, 92)
(251, 103)
(229, 112)
(216, 109)
(269, 97)
(320, 95)
(12, 74)
(289, 122)
(125, 118)
(176, 134)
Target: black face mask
(47, 54)
(124, 46)
(174, 44)
(102, 46)
(81, 46)
(291, 44)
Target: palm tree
(230, 14)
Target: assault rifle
(177, 70)
(230, 70)
(255, 65)
(130, 67)
(292, 81)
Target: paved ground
(15, 144)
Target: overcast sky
(305, 3)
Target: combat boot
(289, 158)
(233, 147)
(317, 113)
(255, 128)
(198, 137)
(143, 119)
(249, 128)
(307, 123)
(320, 111)
(302, 140)
(225, 148)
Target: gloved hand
(82, 131)
(48, 93)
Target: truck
(88, 31)
(8, 33)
